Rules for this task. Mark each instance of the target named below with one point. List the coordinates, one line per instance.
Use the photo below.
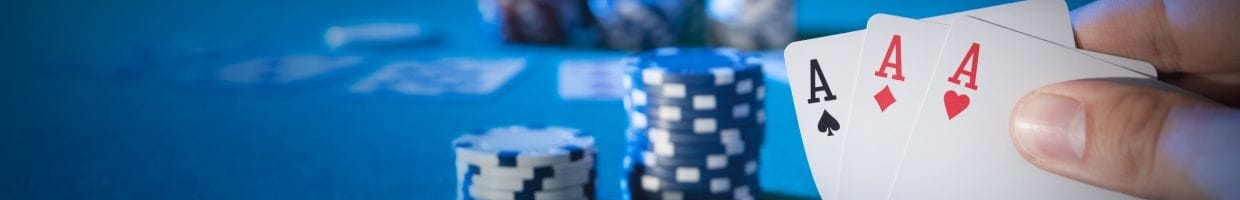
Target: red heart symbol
(955, 103)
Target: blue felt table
(83, 120)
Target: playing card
(872, 157)
(960, 148)
(898, 56)
(821, 69)
(816, 69)
(1138, 66)
(1048, 20)
(591, 80)
(448, 77)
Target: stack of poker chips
(751, 24)
(696, 124)
(525, 163)
(537, 21)
(646, 24)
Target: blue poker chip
(524, 146)
(712, 185)
(680, 118)
(635, 143)
(698, 125)
(674, 112)
(640, 98)
(640, 24)
(679, 195)
(692, 174)
(724, 136)
(630, 176)
(696, 66)
(536, 21)
(742, 87)
(709, 162)
(751, 25)
(701, 126)
(697, 150)
(737, 192)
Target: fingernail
(1051, 127)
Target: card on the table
(960, 146)
(591, 80)
(836, 58)
(447, 77)
(897, 58)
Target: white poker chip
(535, 184)
(549, 171)
(524, 146)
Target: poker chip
(714, 81)
(643, 24)
(697, 101)
(548, 171)
(696, 123)
(751, 25)
(698, 66)
(536, 21)
(526, 163)
(630, 173)
(744, 192)
(533, 184)
(701, 101)
(716, 161)
(743, 86)
(697, 150)
(578, 192)
(724, 136)
(672, 118)
(524, 146)
(712, 185)
(696, 174)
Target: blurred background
(226, 99)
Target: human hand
(1146, 139)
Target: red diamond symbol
(884, 98)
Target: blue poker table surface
(85, 118)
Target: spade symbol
(828, 122)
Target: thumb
(1137, 140)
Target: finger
(1108, 134)
(1176, 36)
(1220, 87)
